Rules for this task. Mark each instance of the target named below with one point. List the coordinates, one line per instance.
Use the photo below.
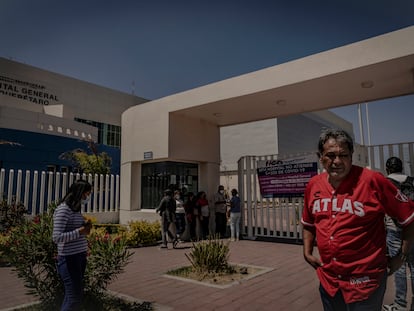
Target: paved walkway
(291, 285)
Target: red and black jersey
(349, 227)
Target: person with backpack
(166, 209)
(394, 168)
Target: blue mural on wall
(38, 151)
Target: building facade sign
(27, 91)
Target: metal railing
(36, 190)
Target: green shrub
(11, 215)
(112, 228)
(143, 233)
(32, 253)
(210, 256)
(107, 258)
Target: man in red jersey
(343, 212)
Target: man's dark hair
(337, 134)
(394, 165)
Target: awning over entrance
(369, 70)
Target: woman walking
(69, 233)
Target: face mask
(221, 191)
(86, 201)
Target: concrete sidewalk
(291, 285)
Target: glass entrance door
(156, 177)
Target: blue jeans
(180, 223)
(235, 225)
(72, 270)
(337, 303)
(400, 276)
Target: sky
(161, 47)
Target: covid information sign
(287, 177)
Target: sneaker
(175, 243)
(163, 246)
(393, 307)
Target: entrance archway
(373, 69)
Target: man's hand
(313, 261)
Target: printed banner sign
(287, 177)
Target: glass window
(156, 177)
(108, 134)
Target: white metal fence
(36, 190)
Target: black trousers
(221, 224)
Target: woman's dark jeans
(72, 270)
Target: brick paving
(291, 285)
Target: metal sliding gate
(269, 218)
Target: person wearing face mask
(220, 206)
(69, 233)
(179, 214)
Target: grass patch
(232, 274)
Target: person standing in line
(69, 233)
(394, 168)
(221, 210)
(202, 207)
(234, 216)
(189, 207)
(179, 214)
(343, 212)
(166, 209)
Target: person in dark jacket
(166, 209)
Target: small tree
(94, 163)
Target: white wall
(253, 138)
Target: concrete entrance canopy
(185, 126)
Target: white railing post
(2, 179)
(64, 184)
(10, 187)
(89, 205)
(42, 193)
(34, 196)
(57, 187)
(26, 189)
(49, 189)
(19, 187)
(117, 193)
(112, 193)
(71, 177)
(106, 208)
(249, 197)
(95, 193)
(101, 189)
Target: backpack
(406, 187)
